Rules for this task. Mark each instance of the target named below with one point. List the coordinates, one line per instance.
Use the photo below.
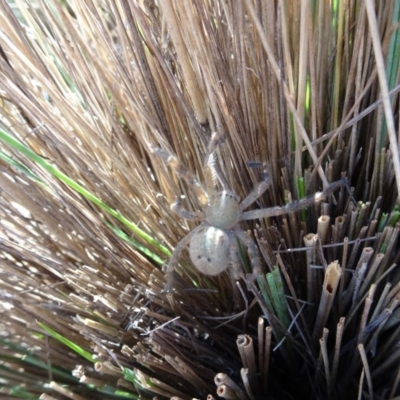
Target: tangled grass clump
(309, 90)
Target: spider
(213, 245)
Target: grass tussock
(306, 92)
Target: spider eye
(223, 210)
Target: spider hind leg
(173, 261)
(254, 256)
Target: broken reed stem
(244, 374)
(365, 363)
(226, 392)
(260, 334)
(224, 380)
(45, 396)
(95, 382)
(323, 228)
(338, 343)
(331, 282)
(364, 317)
(320, 360)
(337, 229)
(105, 367)
(246, 351)
(311, 273)
(325, 359)
(267, 357)
(343, 277)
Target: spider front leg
(177, 208)
(181, 171)
(292, 207)
(256, 192)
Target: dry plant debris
(307, 89)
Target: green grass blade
(21, 168)
(126, 395)
(7, 138)
(21, 393)
(301, 190)
(136, 244)
(77, 349)
(278, 297)
(23, 355)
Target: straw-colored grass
(307, 90)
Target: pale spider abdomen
(209, 251)
(223, 210)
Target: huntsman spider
(213, 244)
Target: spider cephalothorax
(213, 244)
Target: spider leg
(210, 164)
(292, 207)
(177, 208)
(173, 261)
(181, 171)
(236, 264)
(257, 191)
(254, 254)
(235, 275)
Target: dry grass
(87, 89)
